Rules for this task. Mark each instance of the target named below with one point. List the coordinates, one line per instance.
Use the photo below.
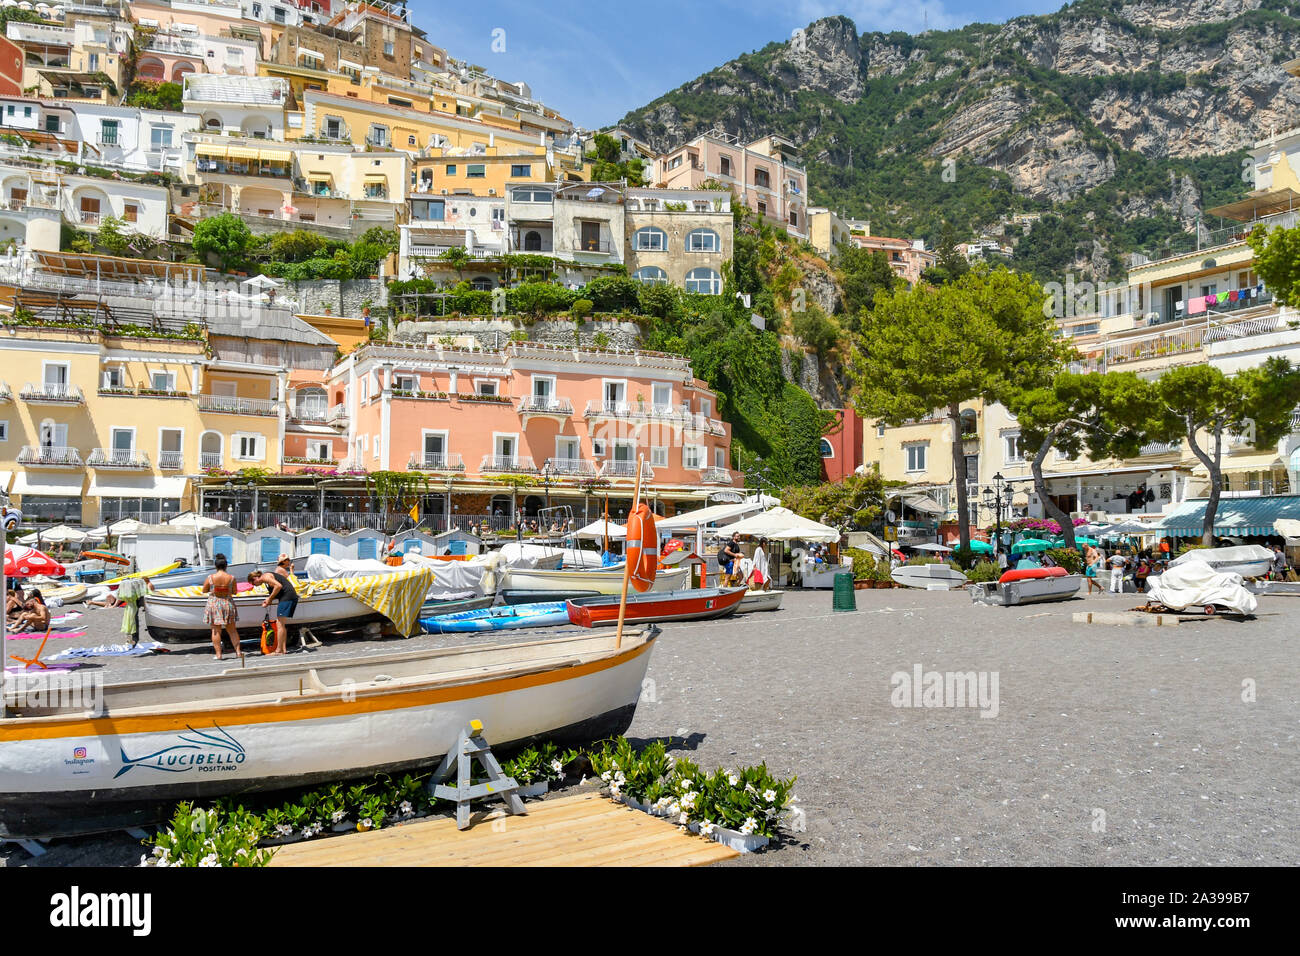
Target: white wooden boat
(928, 577)
(603, 582)
(173, 619)
(760, 601)
(1248, 560)
(1027, 587)
(67, 769)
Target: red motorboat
(700, 604)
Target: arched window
(703, 240)
(827, 450)
(651, 275)
(532, 241)
(650, 239)
(704, 280)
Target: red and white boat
(699, 604)
(1028, 586)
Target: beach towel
(36, 635)
(65, 618)
(36, 668)
(110, 650)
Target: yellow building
(98, 426)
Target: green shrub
(613, 293)
(581, 308)
(660, 301)
(537, 298)
(1068, 558)
(983, 571)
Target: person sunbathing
(35, 615)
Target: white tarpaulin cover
(1287, 527)
(450, 578)
(1250, 560)
(782, 524)
(192, 521)
(1196, 584)
(597, 530)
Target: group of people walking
(731, 559)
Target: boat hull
(525, 596)
(503, 618)
(928, 577)
(602, 582)
(175, 620)
(695, 605)
(760, 601)
(349, 720)
(1027, 590)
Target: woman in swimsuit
(220, 612)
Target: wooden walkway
(585, 829)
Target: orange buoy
(642, 548)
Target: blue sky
(595, 61)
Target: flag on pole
(415, 512)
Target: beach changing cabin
(321, 541)
(265, 545)
(409, 542)
(224, 540)
(458, 542)
(365, 544)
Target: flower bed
(742, 808)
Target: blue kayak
(500, 618)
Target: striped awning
(211, 150)
(320, 177)
(1235, 517)
(242, 152)
(275, 155)
(376, 178)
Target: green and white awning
(1235, 517)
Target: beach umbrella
(1030, 544)
(62, 534)
(23, 562)
(125, 526)
(1085, 540)
(929, 547)
(1124, 529)
(197, 522)
(981, 547)
(599, 528)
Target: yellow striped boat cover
(397, 596)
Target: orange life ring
(642, 548)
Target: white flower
(706, 828)
(749, 826)
(144, 860)
(557, 766)
(674, 808)
(605, 776)
(283, 829)
(338, 815)
(406, 807)
(683, 818)
(688, 800)
(366, 824)
(242, 851)
(733, 779)
(769, 796)
(210, 860)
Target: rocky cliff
(1126, 118)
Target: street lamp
(993, 498)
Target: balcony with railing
(715, 476)
(702, 424)
(618, 468)
(338, 414)
(1160, 448)
(5, 394)
(601, 246)
(47, 393)
(560, 408)
(230, 405)
(211, 459)
(50, 456)
(508, 464)
(434, 461)
(313, 414)
(570, 467)
(125, 458)
(680, 414)
(171, 460)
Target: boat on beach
(605, 581)
(69, 765)
(176, 615)
(699, 604)
(760, 601)
(504, 617)
(529, 596)
(928, 577)
(1248, 560)
(1027, 586)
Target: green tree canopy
(1277, 261)
(155, 95)
(225, 236)
(1255, 404)
(1102, 414)
(609, 166)
(981, 336)
(862, 274)
(852, 504)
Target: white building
(250, 106)
(133, 138)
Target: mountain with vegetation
(1117, 122)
